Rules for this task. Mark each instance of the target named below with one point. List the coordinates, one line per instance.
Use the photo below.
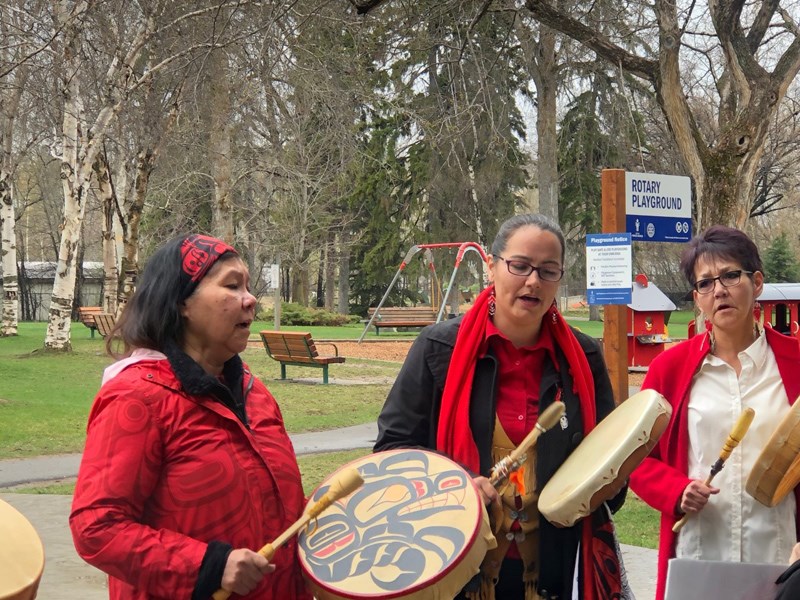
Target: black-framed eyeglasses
(729, 279)
(522, 269)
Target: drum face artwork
(594, 472)
(21, 555)
(776, 471)
(417, 528)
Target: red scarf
(454, 436)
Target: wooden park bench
(86, 315)
(402, 316)
(297, 348)
(105, 323)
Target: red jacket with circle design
(164, 473)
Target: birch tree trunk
(146, 158)
(330, 269)
(108, 202)
(343, 304)
(299, 269)
(9, 252)
(540, 56)
(80, 146)
(72, 180)
(220, 147)
(9, 108)
(129, 261)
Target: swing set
(414, 316)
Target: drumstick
(549, 417)
(735, 436)
(342, 485)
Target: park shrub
(295, 314)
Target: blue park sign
(658, 208)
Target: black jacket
(411, 413)
(791, 583)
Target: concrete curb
(63, 466)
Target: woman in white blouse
(709, 380)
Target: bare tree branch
(364, 6)
(546, 14)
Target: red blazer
(662, 476)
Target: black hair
(720, 242)
(511, 225)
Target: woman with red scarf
(472, 388)
(709, 380)
(187, 464)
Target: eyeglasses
(729, 279)
(523, 269)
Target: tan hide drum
(21, 556)
(597, 468)
(776, 471)
(417, 529)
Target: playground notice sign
(658, 208)
(608, 268)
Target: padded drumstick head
(345, 483)
(738, 432)
(551, 415)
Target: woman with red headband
(187, 464)
(473, 387)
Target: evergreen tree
(780, 262)
(442, 158)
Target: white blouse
(733, 526)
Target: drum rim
(771, 450)
(476, 530)
(7, 509)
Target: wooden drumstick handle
(733, 439)
(549, 417)
(343, 485)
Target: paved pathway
(67, 577)
(62, 466)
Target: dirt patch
(635, 379)
(390, 350)
(394, 351)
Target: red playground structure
(438, 299)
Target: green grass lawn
(45, 397)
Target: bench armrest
(335, 349)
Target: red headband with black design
(198, 255)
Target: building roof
(649, 298)
(46, 269)
(780, 291)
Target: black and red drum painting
(416, 529)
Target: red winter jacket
(662, 476)
(164, 473)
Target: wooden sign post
(615, 331)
